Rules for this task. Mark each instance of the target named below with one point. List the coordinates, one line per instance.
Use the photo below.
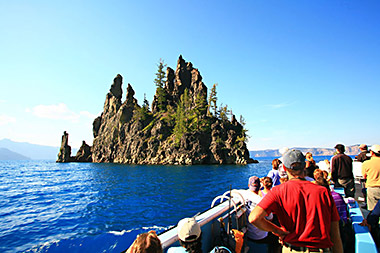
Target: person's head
(267, 183)
(363, 147)
(375, 150)
(322, 182)
(146, 243)
(340, 148)
(190, 235)
(275, 163)
(254, 184)
(309, 156)
(294, 162)
(318, 173)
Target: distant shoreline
(350, 150)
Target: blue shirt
(275, 175)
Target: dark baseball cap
(254, 183)
(293, 156)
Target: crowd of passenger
(295, 208)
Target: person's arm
(335, 237)
(257, 218)
(364, 172)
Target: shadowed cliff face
(178, 131)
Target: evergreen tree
(242, 120)
(200, 110)
(244, 136)
(146, 103)
(223, 112)
(212, 100)
(180, 119)
(160, 83)
(160, 75)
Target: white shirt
(251, 201)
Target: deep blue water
(75, 207)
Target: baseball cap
(293, 156)
(188, 230)
(254, 183)
(375, 148)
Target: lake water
(75, 207)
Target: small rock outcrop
(64, 154)
(84, 154)
(178, 130)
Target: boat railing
(209, 221)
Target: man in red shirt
(306, 211)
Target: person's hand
(281, 233)
(364, 223)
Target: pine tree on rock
(160, 82)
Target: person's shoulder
(366, 162)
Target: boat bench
(363, 238)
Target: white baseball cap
(188, 230)
(375, 148)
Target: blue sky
(302, 73)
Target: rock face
(64, 156)
(84, 153)
(121, 136)
(179, 130)
(65, 150)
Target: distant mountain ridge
(6, 154)
(350, 150)
(28, 150)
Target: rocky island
(182, 127)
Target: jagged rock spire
(115, 89)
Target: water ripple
(49, 207)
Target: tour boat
(218, 221)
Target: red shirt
(305, 210)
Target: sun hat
(254, 183)
(375, 148)
(188, 230)
(283, 150)
(363, 146)
(293, 156)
